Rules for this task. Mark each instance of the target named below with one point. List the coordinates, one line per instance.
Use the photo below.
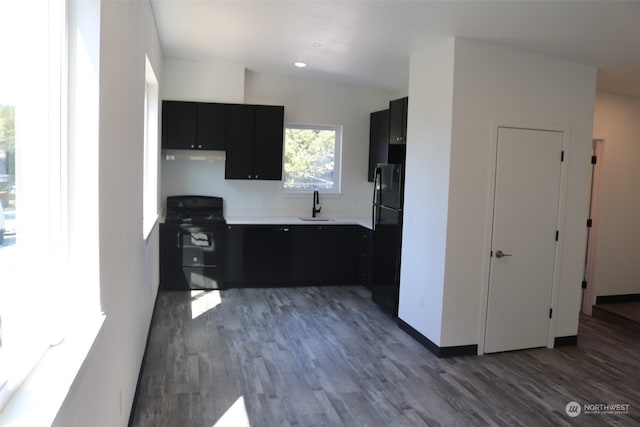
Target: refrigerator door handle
(377, 174)
(373, 217)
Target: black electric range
(192, 244)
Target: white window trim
(150, 155)
(38, 400)
(337, 161)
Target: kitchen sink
(317, 219)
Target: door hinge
(584, 284)
(589, 223)
(557, 235)
(562, 156)
(594, 160)
(550, 313)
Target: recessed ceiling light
(316, 44)
(300, 64)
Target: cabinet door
(266, 253)
(212, 126)
(378, 140)
(239, 145)
(338, 254)
(267, 159)
(306, 255)
(235, 259)
(364, 256)
(170, 258)
(398, 121)
(179, 124)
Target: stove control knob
(195, 259)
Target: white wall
(103, 391)
(427, 189)
(617, 263)
(305, 101)
(211, 81)
(499, 86)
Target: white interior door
(523, 244)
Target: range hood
(208, 155)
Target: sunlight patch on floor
(236, 416)
(203, 301)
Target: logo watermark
(573, 409)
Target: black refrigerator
(388, 189)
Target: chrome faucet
(316, 202)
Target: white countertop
(261, 220)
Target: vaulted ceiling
(370, 42)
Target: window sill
(309, 194)
(39, 399)
(148, 225)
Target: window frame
(337, 161)
(47, 198)
(150, 151)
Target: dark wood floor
(330, 357)
(625, 314)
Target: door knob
(500, 254)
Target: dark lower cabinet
(235, 259)
(299, 255)
(339, 254)
(323, 255)
(365, 254)
(266, 254)
(306, 255)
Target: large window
(312, 155)
(31, 183)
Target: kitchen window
(312, 158)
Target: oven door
(192, 256)
(202, 246)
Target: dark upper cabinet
(193, 125)
(240, 133)
(211, 126)
(179, 124)
(378, 140)
(254, 142)
(398, 121)
(268, 144)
